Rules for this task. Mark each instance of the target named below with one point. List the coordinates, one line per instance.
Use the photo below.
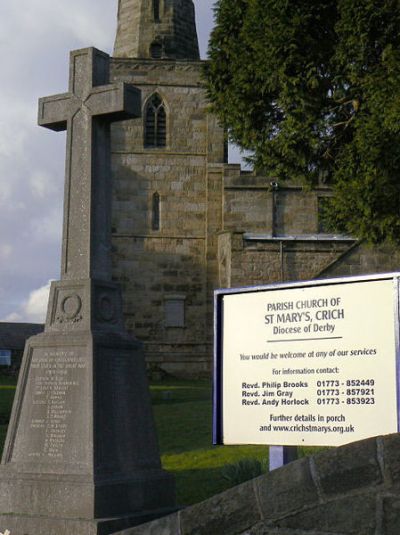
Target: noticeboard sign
(313, 363)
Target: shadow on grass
(183, 427)
(3, 432)
(6, 399)
(195, 486)
(172, 393)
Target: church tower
(158, 29)
(167, 176)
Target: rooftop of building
(14, 335)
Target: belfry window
(155, 123)
(156, 10)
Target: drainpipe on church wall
(281, 260)
(275, 188)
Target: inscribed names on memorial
(310, 366)
(57, 380)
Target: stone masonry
(218, 226)
(352, 490)
(155, 266)
(167, 23)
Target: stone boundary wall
(352, 490)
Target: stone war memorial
(81, 454)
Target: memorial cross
(86, 112)
(98, 470)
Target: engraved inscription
(56, 382)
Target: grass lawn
(7, 391)
(183, 415)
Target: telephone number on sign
(349, 401)
(360, 392)
(360, 401)
(360, 382)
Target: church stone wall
(170, 267)
(247, 201)
(264, 261)
(248, 210)
(271, 232)
(297, 211)
(259, 204)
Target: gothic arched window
(156, 10)
(155, 128)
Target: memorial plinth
(81, 452)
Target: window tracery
(155, 123)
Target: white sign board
(307, 364)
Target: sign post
(312, 363)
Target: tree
(313, 88)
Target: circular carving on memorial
(71, 306)
(106, 308)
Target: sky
(35, 39)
